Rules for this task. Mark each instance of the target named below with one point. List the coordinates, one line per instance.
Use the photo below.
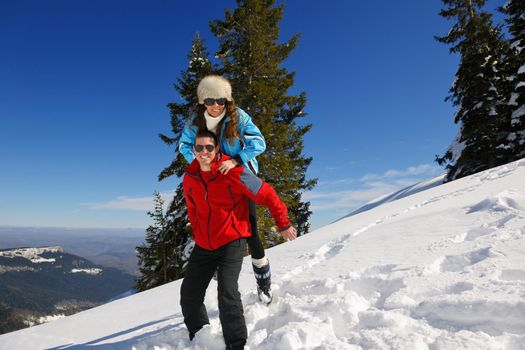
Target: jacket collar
(194, 168)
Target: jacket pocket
(234, 225)
(234, 203)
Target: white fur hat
(214, 86)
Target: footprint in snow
(457, 263)
(506, 201)
(513, 275)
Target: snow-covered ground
(32, 254)
(443, 268)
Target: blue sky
(84, 87)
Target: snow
(521, 69)
(39, 260)
(93, 271)
(457, 147)
(478, 105)
(517, 114)
(32, 254)
(44, 319)
(516, 45)
(4, 269)
(442, 268)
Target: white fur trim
(214, 86)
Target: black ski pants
(202, 264)
(254, 242)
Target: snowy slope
(405, 192)
(440, 269)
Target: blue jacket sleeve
(186, 141)
(253, 139)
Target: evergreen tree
(10, 321)
(252, 59)
(160, 256)
(199, 66)
(173, 229)
(260, 87)
(478, 91)
(515, 11)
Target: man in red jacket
(219, 216)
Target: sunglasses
(211, 101)
(200, 148)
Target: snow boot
(264, 283)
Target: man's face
(205, 150)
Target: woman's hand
(290, 233)
(225, 166)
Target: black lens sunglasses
(200, 148)
(211, 101)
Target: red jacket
(218, 204)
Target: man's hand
(227, 165)
(289, 234)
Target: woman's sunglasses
(200, 148)
(211, 101)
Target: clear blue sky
(84, 87)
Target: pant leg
(231, 313)
(201, 267)
(254, 242)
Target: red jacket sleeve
(192, 208)
(262, 194)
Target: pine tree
(515, 11)
(199, 66)
(478, 91)
(252, 59)
(10, 321)
(263, 93)
(178, 223)
(160, 256)
(174, 229)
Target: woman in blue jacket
(242, 140)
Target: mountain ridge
(42, 283)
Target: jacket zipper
(234, 205)
(209, 211)
(199, 177)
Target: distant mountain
(106, 247)
(44, 283)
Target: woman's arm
(252, 138)
(186, 141)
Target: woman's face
(215, 109)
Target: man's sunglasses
(200, 148)
(212, 101)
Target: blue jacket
(244, 151)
